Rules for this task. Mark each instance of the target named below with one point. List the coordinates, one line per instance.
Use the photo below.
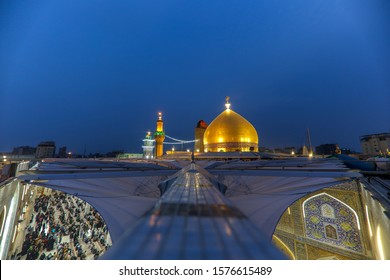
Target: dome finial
(227, 104)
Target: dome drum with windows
(230, 132)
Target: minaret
(200, 129)
(148, 146)
(159, 136)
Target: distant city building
(114, 154)
(129, 156)
(375, 144)
(46, 149)
(285, 150)
(290, 150)
(328, 149)
(62, 152)
(346, 151)
(148, 146)
(265, 150)
(24, 150)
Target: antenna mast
(309, 140)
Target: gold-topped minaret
(159, 136)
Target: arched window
(331, 231)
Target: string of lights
(173, 143)
(178, 140)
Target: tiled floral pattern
(330, 221)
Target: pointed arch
(346, 205)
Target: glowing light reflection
(379, 243)
(368, 222)
(15, 231)
(4, 217)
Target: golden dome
(230, 132)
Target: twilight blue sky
(95, 73)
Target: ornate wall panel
(331, 221)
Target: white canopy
(262, 189)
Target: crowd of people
(63, 227)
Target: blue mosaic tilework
(341, 231)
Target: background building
(46, 149)
(24, 150)
(62, 152)
(328, 149)
(375, 144)
(285, 150)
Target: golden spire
(227, 104)
(160, 122)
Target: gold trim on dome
(232, 147)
